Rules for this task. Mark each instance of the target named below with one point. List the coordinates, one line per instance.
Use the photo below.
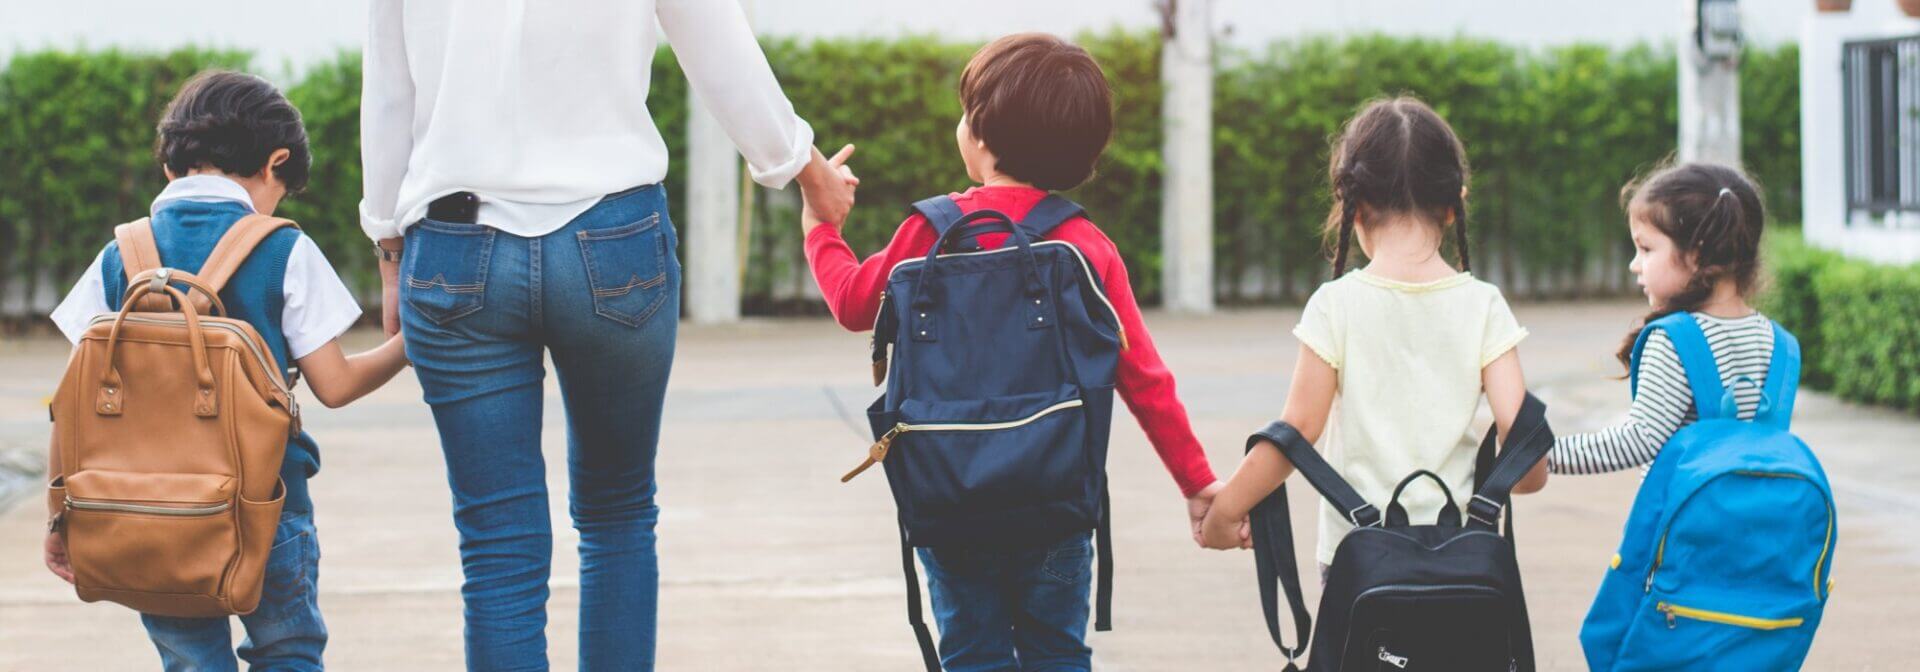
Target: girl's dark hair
(1396, 156)
(1714, 215)
(232, 121)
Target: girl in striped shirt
(1696, 232)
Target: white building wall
(1823, 170)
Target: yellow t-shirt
(1409, 357)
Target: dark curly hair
(1396, 156)
(232, 122)
(1714, 215)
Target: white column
(1186, 214)
(713, 213)
(1823, 199)
(1709, 99)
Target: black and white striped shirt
(1664, 402)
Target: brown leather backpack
(169, 428)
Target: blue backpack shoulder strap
(1783, 380)
(1703, 374)
(940, 211)
(1050, 213)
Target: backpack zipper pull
(293, 413)
(1668, 610)
(877, 452)
(874, 345)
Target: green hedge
(1552, 134)
(1858, 322)
(76, 153)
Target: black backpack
(1401, 597)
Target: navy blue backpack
(999, 368)
(1728, 552)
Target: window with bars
(1882, 103)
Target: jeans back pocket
(446, 269)
(627, 270)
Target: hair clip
(1724, 191)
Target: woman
(512, 185)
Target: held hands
(1221, 532)
(1197, 507)
(1225, 525)
(390, 289)
(826, 189)
(1213, 528)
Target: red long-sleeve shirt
(852, 289)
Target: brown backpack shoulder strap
(235, 245)
(140, 254)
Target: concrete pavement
(769, 563)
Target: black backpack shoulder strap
(1529, 443)
(1272, 527)
(1483, 468)
(1318, 473)
(1049, 214)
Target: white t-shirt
(1409, 357)
(318, 307)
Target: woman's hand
(826, 189)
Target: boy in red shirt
(1037, 115)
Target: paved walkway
(771, 563)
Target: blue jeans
(1021, 609)
(479, 309)
(284, 633)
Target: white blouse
(540, 108)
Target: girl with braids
(1407, 346)
(1696, 235)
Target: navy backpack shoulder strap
(1049, 214)
(929, 651)
(1696, 356)
(940, 211)
(944, 214)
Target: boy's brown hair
(1041, 105)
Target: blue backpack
(1728, 549)
(999, 394)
